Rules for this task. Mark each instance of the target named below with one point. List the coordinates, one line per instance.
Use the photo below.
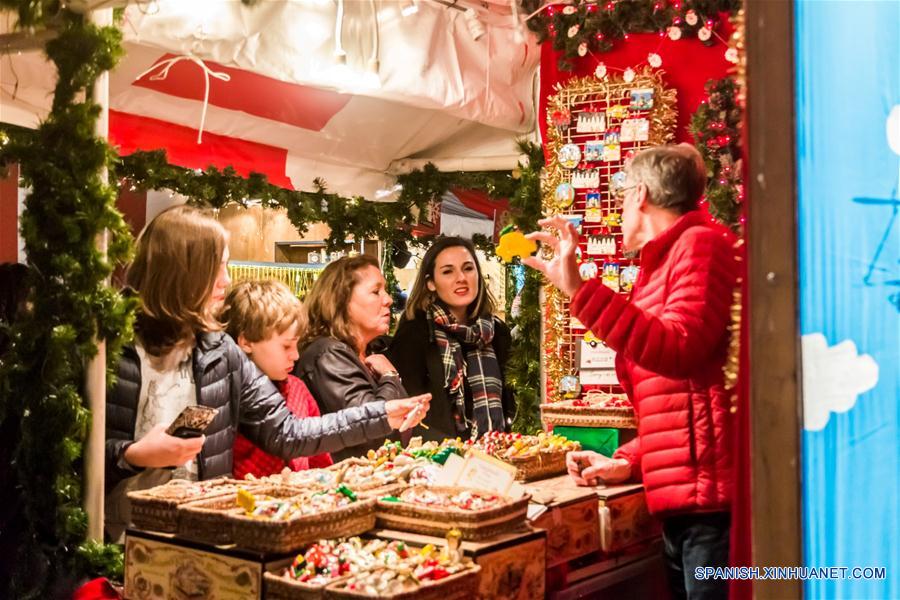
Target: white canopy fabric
(281, 101)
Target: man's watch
(391, 374)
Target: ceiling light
(476, 27)
(410, 8)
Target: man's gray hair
(675, 176)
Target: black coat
(337, 379)
(415, 355)
(225, 378)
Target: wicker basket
(563, 413)
(278, 587)
(386, 490)
(459, 586)
(287, 536)
(473, 525)
(212, 520)
(540, 466)
(151, 512)
(369, 488)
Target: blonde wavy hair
(328, 300)
(258, 310)
(179, 254)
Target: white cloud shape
(893, 129)
(833, 377)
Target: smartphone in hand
(192, 421)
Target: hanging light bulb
(409, 8)
(476, 27)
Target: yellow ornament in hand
(514, 243)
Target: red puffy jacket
(671, 338)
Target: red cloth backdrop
(688, 64)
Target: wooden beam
(23, 41)
(775, 402)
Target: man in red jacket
(671, 339)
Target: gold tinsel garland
(298, 279)
(732, 365)
(610, 90)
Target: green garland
(716, 127)
(523, 372)
(42, 375)
(593, 26)
(346, 217)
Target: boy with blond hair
(267, 321)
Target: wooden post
(775, 407)
(95, 374)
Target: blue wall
(848, 82)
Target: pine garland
(347, 218)
(716, 127)
(593, 26)
(523, 372)
(42, 375)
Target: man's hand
(414, 409)
(158, 449)
(590, 468)
(562, 268)
(379, 364)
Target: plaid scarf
(475, 363)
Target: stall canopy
(350, 91)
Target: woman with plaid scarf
(450, 344)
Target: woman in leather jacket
(349, 307)
(450, 343)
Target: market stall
(311, 174)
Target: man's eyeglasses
(620, 192)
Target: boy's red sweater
(250, 459)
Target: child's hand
(158, 449)
(379, 364)
(399, 410)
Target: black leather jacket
(227, 379)
(337, 379)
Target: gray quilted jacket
(226, 379)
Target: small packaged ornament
(588, 270)
(570, 386)
(627, 277)
(569, 156)
(593, 150)
(565, 194)
(603, 245)
(612, 149)
(611, 275)
(586, 178)
(635, 130)
(576, 221)
(642, 99)
(617, 111)
(617, 182)
(612, 219)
